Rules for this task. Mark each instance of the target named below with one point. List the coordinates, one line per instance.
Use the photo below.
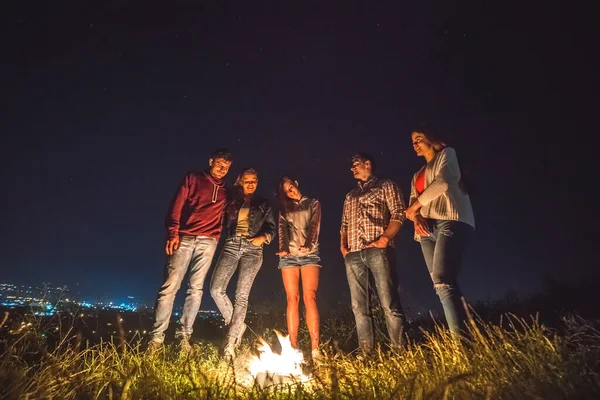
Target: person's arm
(447, 173)
(283, 236)
(344, 230)
(395, 204)
(268, 229)
(314, 225)
(413, 190)
(174, 215)
(409, 213)
(420, 225)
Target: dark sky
(106, 105)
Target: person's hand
(282, 253)
(380, 243)
(258, 241)
(421, 227)
(344, 251)
(172, 245)
(412, 210)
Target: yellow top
(242, 224)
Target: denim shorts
(295, 261)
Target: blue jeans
(381, 264)
(443, 252)
(238, 252)
(195, 253)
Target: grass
(515, 359)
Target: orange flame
(288, 363)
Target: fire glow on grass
(270, 367)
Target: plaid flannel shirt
(368, 210)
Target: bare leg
(291, 278)
(310, 283)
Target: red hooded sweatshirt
(197, 208)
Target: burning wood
(269, 368)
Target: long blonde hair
(240, 177)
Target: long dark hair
(237, 193)
(285, 203)
(440, 144)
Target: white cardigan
(443, 198)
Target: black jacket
(260, 219)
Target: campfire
(269, 368)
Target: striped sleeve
(314, 226)
(446, 172)
(394, 201)
(174, 215)
(284, 241)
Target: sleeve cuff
(268, 238)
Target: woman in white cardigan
(441, 211)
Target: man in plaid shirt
(373, 214)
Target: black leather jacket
(260, 219)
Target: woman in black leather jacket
(250, 225)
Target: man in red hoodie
(194, 225)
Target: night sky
(105, 106)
